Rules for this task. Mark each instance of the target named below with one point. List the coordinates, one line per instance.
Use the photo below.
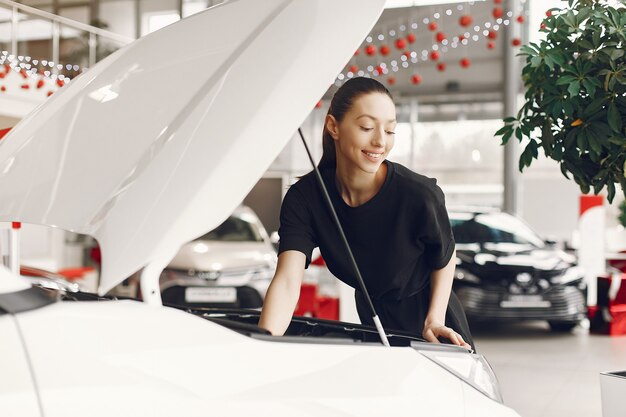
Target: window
(234, 229)
(493, 228)
(157, 20)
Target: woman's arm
(283, 293)
(434, 325)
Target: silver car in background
(230, 266)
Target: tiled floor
(545, 374)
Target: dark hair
(342, 101)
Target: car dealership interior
(159, 139)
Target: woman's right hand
(283, 293)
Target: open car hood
(159, 142)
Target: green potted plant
(575, 100)
(622, 214)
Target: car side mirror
(274, 238)
(551, 241)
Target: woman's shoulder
(304, 186)
(418, 184)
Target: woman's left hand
(434, 329)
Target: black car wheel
(561, 326)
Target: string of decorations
(489, 30)
(41, 71)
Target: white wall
(120, 16)
(549, 202)
(40, 247)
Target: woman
(394, 219)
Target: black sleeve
(438, 239)
(296, 231)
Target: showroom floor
(543, 374)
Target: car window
(234, 229)
(493, 228)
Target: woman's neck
(357, 187)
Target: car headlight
(470, 367)
(264, 273)
(464, 275)
(572, 274)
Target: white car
(230, 266)
(174, 130)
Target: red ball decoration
(465, 20)
(7, 68)
(520, 19)
(384, 50)
(491, 45)
(354, 69)
(60, 83)
(378, 70)
(492, 34)
(465, 62)
(441, 66)
(440, 37)
(434, 55)
(2, 75)
(49, 93)
(3, 89)
(542, 26)
(416, 79)
(357, 52)
(410, 37)
(317, 105)
(497, 1)
(432, 26)
(370, 50)
(391, 80)
(549, 13)
(497, 12)
(407, 54)
(23, 74)
(461, 37)
(40, 84)
(400, 43)
(25, 86)
(516, 42)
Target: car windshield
(234, 229)
(492, 228)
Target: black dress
(398, 238)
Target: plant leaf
(506, 137)
(568, 108)
(615, 119)
(503, 130)
(566, 79)
(594, 107)
(611, 191)
(581, 141)
(589, 86)
(535, 61)
(593, 141)
(574, 88)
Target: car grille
(503, 274)
(567, 303)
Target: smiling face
(365, 135)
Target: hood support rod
(379, 326)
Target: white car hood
(159, 142)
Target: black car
(505, 271)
